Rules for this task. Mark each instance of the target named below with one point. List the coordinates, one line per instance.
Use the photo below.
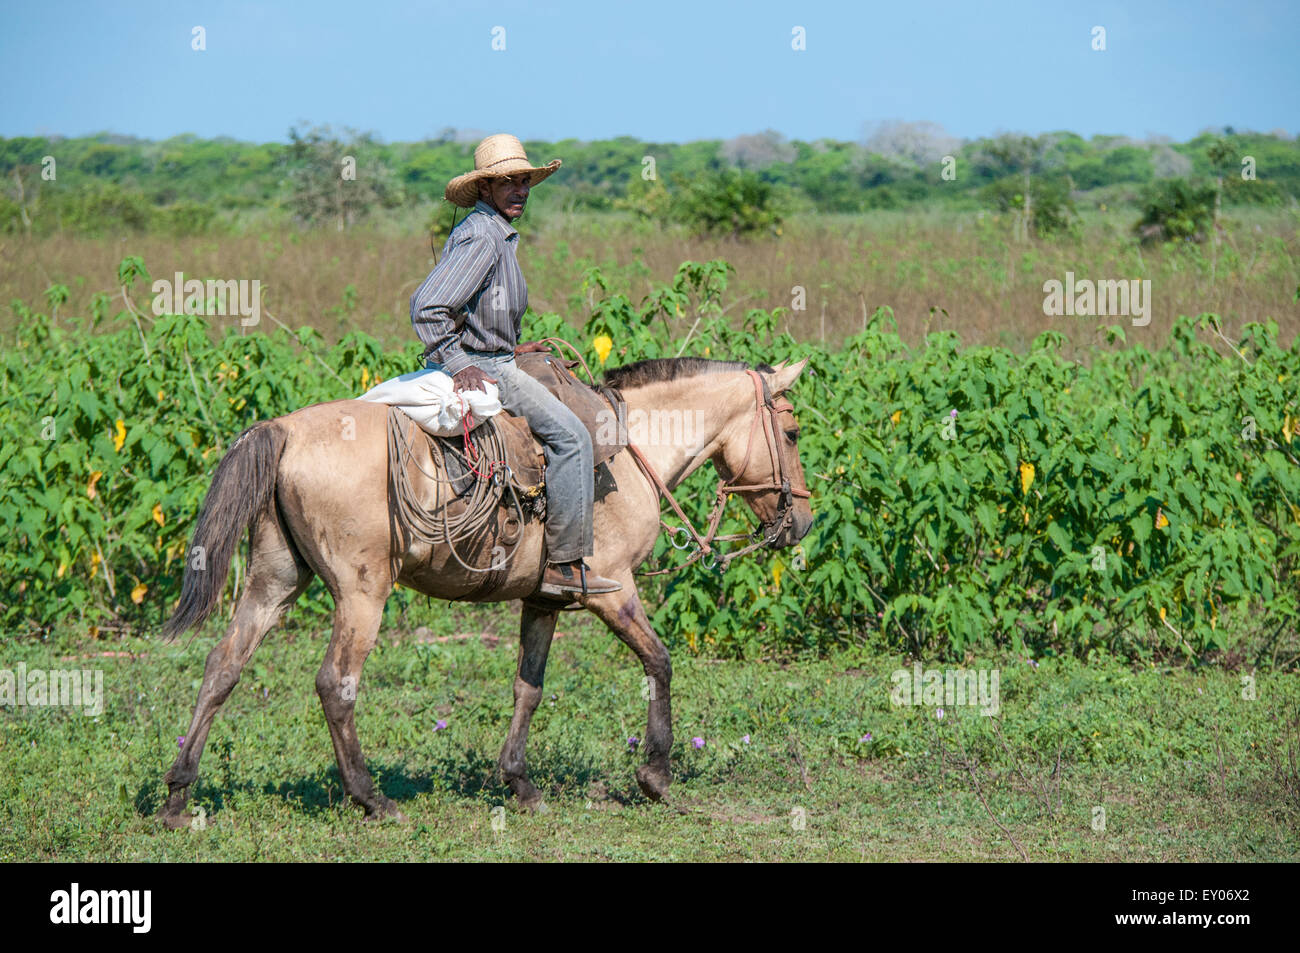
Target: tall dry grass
(962, 272)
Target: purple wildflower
(865, 739)
(954, 413)
(439, 725)
(745, 739)
(180, 741)
(939, 714)
(633, 742)
(698, 742)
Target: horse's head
(759, 459)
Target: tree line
(328, 178)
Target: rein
(765, 412)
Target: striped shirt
(477, 283)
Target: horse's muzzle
(795, 529)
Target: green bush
(967, 498)
(1051, 210)
(1176, 210)
(726, 202)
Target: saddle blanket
(429, 398)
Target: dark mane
(652, 370)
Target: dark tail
(242, 486)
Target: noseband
(765, 413)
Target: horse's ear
(782, 376)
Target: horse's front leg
(536, 629)
(623, 613)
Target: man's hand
(531, 346)
(471, 378)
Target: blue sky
(660, 71)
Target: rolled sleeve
(449, 287)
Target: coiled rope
(486, 491)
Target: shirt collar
(507, 229)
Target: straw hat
(498, 155)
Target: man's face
(507, 194)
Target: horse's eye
(793, 435)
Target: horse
(312, 488)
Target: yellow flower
(137, 594)
(1026, 477)
(94, 564)
(896, 416)
(1161, 521)
(602, 344)
(119, 437)
(158, 514)
(777, 570)
(1162, 613)
(90, 487)
(365, 376)
(1289, 427)
(706, 350)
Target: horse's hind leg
(277, 576)
(356, 626)
(536, 628)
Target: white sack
(429, 398)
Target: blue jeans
(570, 480)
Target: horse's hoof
(527, 796)
(535, 805)
(386, 810)
(175, 822)
(387, 817)
(653, 782)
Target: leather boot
(560, 579)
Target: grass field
(967, 267)
(1184, 766)
(798, 759)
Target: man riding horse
(479, 281)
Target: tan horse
(313, 488)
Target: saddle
(603, 412)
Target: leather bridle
(765, 416)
